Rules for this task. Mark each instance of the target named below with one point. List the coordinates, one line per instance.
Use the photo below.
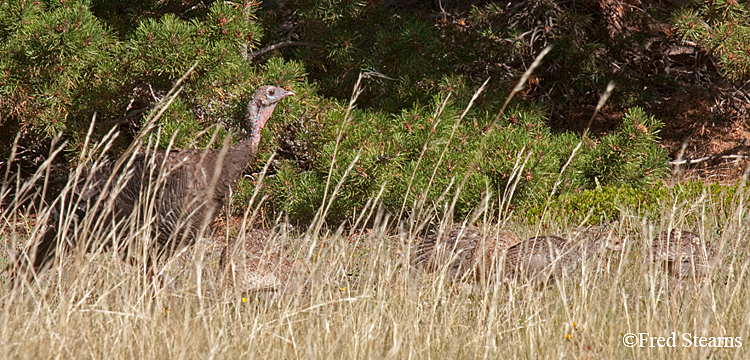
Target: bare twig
(707, 158)
(280, 45)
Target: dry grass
(365, 301)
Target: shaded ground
(708, 125)
(681, 86)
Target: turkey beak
(289, 93)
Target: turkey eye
(271, 92)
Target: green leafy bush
(607, 203)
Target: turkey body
(462, 251)
(682, 253)
(258, 264)
(172, 194)
(543, 258)
(175, 193)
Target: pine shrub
(63, 61)
(61, 65)
(723, 28)
(478, 159)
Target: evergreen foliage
(390, 157)
(62, 64)
(364, 36)
(424, 56)
(64, 61)
(722, 27)
(625, 157)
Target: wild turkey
(259, 265)
(543, 258)
(682, 253)
(177, 192)
(463, 251)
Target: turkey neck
(241, 155)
